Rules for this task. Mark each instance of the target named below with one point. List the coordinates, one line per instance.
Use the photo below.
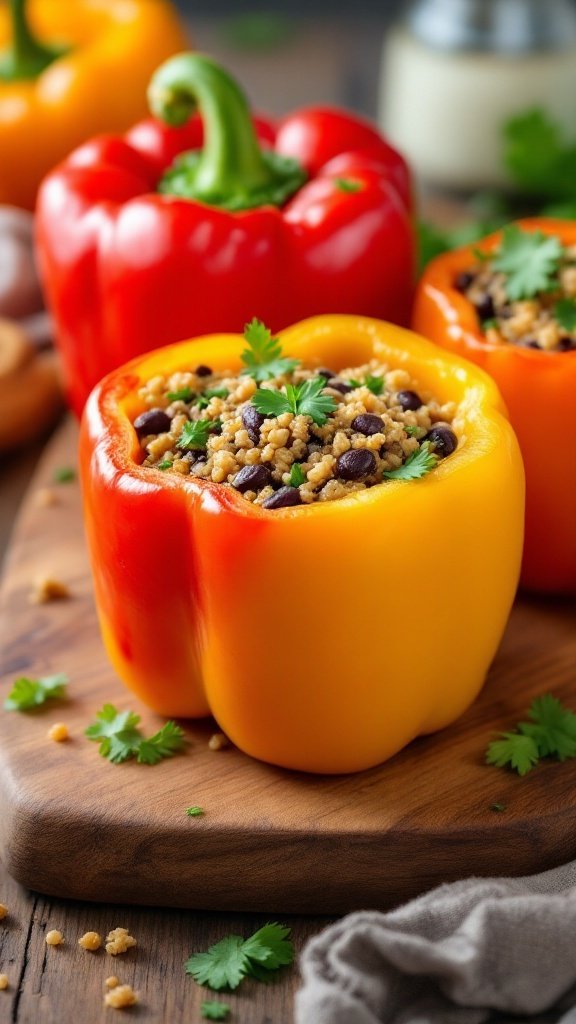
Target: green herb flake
(417, 465)
(297, 475)
(374, 384)
(529, 260)
(565, 314)
(228, 962)
(27, 694)
(214, 1011)
(414, 431)
(120, 738)
(348, 185)
(263, 358)
(165, 464)
(194, 812)
(491, 324)
(512, 750)
(64, 475)
(203, 400)
(195, 434)
(498, 808)
(184, 395)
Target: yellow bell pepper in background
(76, 68)
(322, 637)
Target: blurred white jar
(454, 70)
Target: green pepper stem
(231, 170)
(25, 58)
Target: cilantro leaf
(222, 966)
(120, 737)
(214, 1011)
(64, 475)
(538, 157)
(184, 395)
(530, 261)
(374, 384)
(194, 812)
(553, 727)
(32, 693)
(297, 475)
(263, 357)
(565, 314)
(413, 431)
(226, 963)
(417, 465)
(304, 399)
(117, 731)
(203, 400)
(513, 750)
(165, 464)
(164, 743)
(195, 434)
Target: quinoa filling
(299, 436)
(525, 292)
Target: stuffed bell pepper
(68, 70)
(189, 225)
(509, 305)
(316, 537)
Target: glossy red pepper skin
(127, 269)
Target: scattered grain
(120, 997)
(118, 941)
(47, 588)
(218, 741)
(54, 938)
(3, 911)
(4, 982)
(91, 941)
(58, 732)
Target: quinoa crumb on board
(58, 732)
(90, 941)
(120, 997)
(54, 938)
(112, 981)
(4, 982)
(376, 419)
(48, 588)
(3, 911)
(218, 741)
(118, 941)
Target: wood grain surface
(75, 825)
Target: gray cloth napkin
(452, 956)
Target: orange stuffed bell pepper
(315, 538)
(69, 70)
(509, 304)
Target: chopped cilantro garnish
(32, 693)
(120, 738)
(529, 260)
(165, 464)
(228, 962)
(374, 384)
(550, 733)
(304, 399)
(297, 475)
(194, 812)
(263, 358)
(414, 431)
(214, 1011)
(348, 185)
(203, 400)
(417, 465)
(565, 314)
(184, 395)
(487, 325)
(498, 808)
(195, 434)
(64, 475)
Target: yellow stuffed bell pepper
(323, 636)
(70, 69)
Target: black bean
(530, 343)
(443, 439)
(339, 385)
(368, 424)
(155, 421)
(325, 372)
(195, 455)
(203, 371)
(252, 478)
(355, 463)
(283, 498)
(566, 343)
(252, 420)
(463, 280)
(485, 308)
(409, 401)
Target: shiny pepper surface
(84, 70)
(322, 637)
(539, 389)
(197, 225)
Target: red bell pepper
(148, 238)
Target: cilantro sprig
(263, 358)
(214, 1011)
(27, 694)
(375, 384)
(565, 313)
(195, 434)
(551, 732)
(305, 399)
(225, 964)
(120, 737)
(529, 260)
(417, 465)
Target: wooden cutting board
(72, 824)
